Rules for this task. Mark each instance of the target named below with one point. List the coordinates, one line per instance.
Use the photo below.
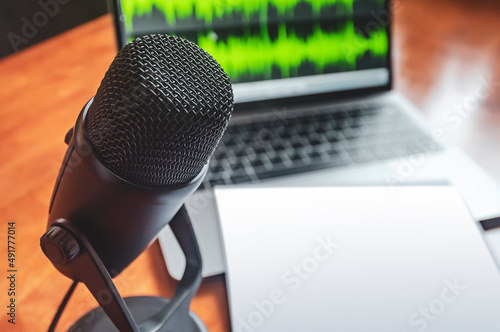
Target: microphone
(138, 149)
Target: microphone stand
(133, 314)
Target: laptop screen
(276, 48)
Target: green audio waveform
(256, 55)
(208, 9)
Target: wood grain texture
(442, 50)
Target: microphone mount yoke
(68, 249)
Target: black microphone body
(141, 146)
(119, 218)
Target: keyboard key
(241, 179)
(314, 155)
(216, 169)
(217, 182)
(315, 139)
(279, 146)
(276, 159)
(332, 136)
(295, 157)
(296, 144)
(257, 163)
(236, 166)
(260, 149)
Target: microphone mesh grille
(160, 111)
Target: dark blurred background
(45, 18)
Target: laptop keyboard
(316, 139)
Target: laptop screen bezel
(121, 38)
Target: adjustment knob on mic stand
(59, 245)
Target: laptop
(314, 105)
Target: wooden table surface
(443, 51)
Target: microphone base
(142, 309)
